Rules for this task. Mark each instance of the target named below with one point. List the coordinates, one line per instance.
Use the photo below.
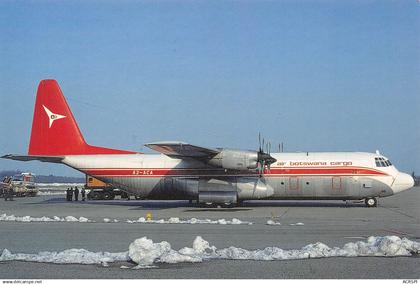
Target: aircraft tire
(228, 205)
(209, 205)
(371, 202)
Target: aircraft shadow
(301, 203)
(167, 204)
(201, 209)
(136, 204)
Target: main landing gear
(371, 202)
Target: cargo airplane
(219, 176)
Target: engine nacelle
(235, 159)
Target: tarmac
(331, 222)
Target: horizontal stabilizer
(51, 159)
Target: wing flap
(182, 150)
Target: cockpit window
(381, 162)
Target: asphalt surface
(331, 222)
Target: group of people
(70, 192)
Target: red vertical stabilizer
(54, 129)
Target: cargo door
(336, 185)
(293, 189)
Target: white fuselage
(341, 175)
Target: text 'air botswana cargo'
(210, 176)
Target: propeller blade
(263, 145)
(264, 158)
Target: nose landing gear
(371, 202)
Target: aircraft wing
(182, 150)
(51, 159)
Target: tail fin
(54, 129)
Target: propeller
(264, 158)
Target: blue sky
(317, 75)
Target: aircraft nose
(402, 182)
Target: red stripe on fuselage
(145, 172)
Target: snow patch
(146, 253)
(273, 223)
(73, 255)
(13, 218)
(42, 193)
(171, 220)
(107, 220)
(57, 184)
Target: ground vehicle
(24, 185)
(5, 186)
(100, 190)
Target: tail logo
(52, 116)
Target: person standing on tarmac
(5, 192)
(76, 194)
(83, 191)
(71, 194)
(68, 194)
(5, 188)
(11, 193)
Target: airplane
(210, 176)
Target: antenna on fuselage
(281, 150)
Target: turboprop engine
(235, 159)
(241, 159)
